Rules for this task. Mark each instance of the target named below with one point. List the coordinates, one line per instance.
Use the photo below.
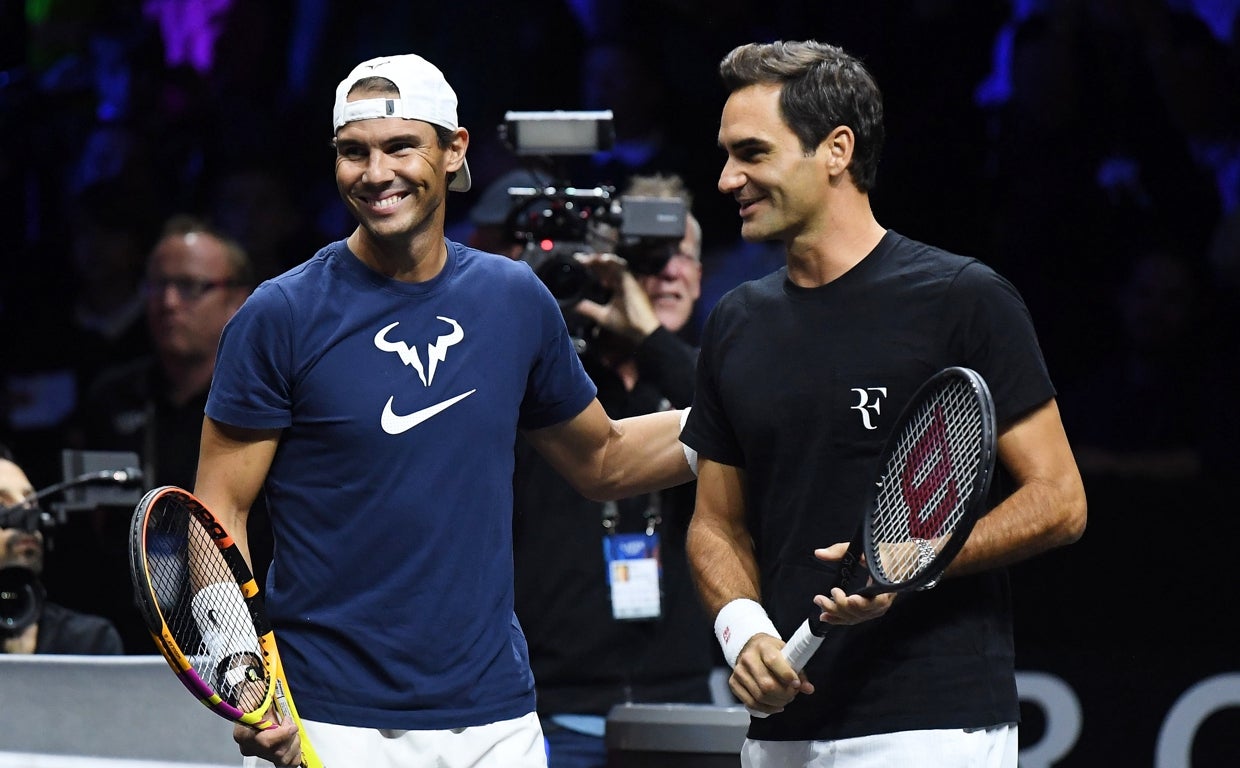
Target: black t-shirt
(800, 387)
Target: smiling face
(780, 189)
(392, 174)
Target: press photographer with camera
(29, 623)
(603, 590)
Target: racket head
(222, 649)
(934, 477)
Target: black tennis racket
(934, 475)
(204, 610)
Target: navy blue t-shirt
(390, 494)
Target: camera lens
(565, 278)
(21, 599)
(647, 258)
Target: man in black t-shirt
(801, 376)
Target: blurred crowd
(1087, 149)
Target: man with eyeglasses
(196, 279)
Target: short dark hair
(821, 87)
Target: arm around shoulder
(606, 458)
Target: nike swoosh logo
(394, 424)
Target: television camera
(92, 479)
(558, 220)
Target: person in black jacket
(603, 589)
(29, 623)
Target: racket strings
(202, 605)
(927, 483)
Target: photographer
(603, 589)
(28, 622)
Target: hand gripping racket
(205, 612)
(934, 475)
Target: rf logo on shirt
(869, 402)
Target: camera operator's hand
(629, 314)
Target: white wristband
(224, 621)
(738, 621)
(690, 454)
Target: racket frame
(169, 648)
(977, 494)
(862, 543)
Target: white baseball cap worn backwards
(424, 95)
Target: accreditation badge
(634, 575)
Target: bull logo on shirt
(435, 353)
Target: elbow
(1074, 515)
(603, 489)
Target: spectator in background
(597, 639)
(29, 623)
(196, 278)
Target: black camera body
(556, 222)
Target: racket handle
(803, 643)
(798, 650)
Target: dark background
(1087, 149)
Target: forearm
(718, 544)
(232, 465)
(607, 459)
(723, 566)
(644, 454)
(1026, 524)
(1048, 507)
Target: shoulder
(755, 291)
(477, 263)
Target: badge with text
(633, 572)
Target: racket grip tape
(798, 650)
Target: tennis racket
(204, 610)
(934, 475)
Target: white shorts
(507, 744)
(984, 748)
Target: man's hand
(762, 679)
(629, 314)
(841, 608)
(280, 745)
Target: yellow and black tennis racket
(205, 612)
